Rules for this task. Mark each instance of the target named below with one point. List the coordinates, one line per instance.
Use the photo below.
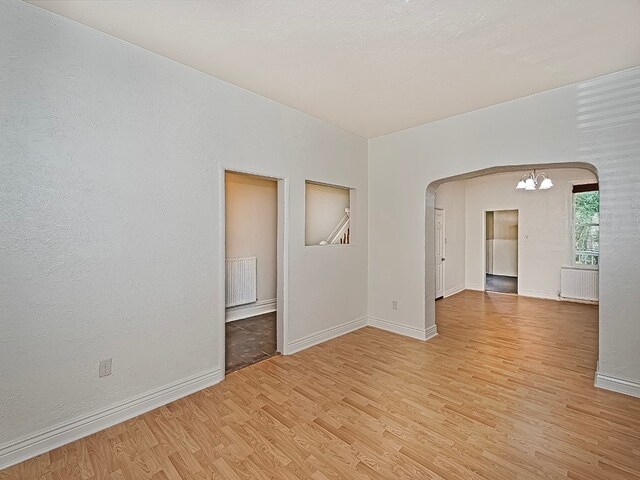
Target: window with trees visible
(586, 224)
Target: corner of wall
(616, 384)
(324, 335)
(404, 330)
(453, 290)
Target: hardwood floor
(504, 392)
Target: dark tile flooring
(250, 340)
(501, 283)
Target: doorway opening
(501, 251)
(547, 252)
(251, 269)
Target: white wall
(110, 222)
(452, 198)
(596, 122)
(504, 257)
(505, 222)
(251, 205)
(324, 208)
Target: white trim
(282, 262)
(222, 258)
(573, 221)
(620, 385)
(430, 332)
(581, 267)
(29, 446)
(251, 310)
(444, 251)
(325, 335)
(578, 300)
(538, 294)
(403, 329)
(474, 287)
(453, 291)
(282, 256)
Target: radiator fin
(579, 283)
(241, 281)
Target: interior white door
(439, 255)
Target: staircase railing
(342, 233)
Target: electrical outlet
(104, 368)
(394, 304)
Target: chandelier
(531, 181)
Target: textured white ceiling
(377, 66)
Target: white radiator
(241, 281)
(579, 283)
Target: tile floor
(502, 284)
(250, 340)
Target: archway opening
(545, 235)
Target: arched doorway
(430, 226)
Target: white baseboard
(334, 332)
(31, 445)
(578, 300)
(453, 291)
(430, 332)
(538, 294)
(245, 311)
(412, 332)
(475, 287)
(620, 385)
(325, 335)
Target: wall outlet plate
(394, 304)
(104, 368)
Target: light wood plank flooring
(504, 392)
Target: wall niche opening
(328, 214)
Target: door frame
(282, 258)
(484, 247)
(444, 252)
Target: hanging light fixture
(546, 184)
(531, 181)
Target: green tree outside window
(586, 218)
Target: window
(586, 224)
